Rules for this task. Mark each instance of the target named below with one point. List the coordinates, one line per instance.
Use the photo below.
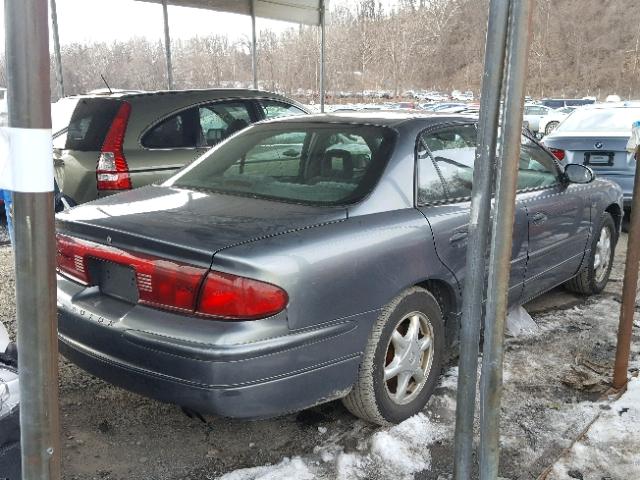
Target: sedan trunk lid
(186, 225)
(601, 151)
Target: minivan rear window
(90, 123)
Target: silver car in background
(596, 136)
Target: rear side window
(220, 120)
(178, 131)
(275, 109)
(536, 169)
(445, 163)
(90, 123)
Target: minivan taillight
(112, 171)
(231, 296)
(170, 285)
(559, 154)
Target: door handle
(539, 218)
(459, 236)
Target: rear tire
(594, 276)
(551, 126)
(399, 371)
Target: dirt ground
(551, 379)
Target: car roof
(387, 118)
(603, 106)
(212, 92)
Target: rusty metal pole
(629, 287)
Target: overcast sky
(108, 20)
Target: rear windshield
(326, 164)
(600, 119)
(90, 123)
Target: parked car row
(295, 260)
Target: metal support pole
(56, 49)
(629, 287)
(27, 51)
(322, 53)
(254, 43)
(502, 236)
(167, 45)
(479, 230)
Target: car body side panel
(76, 173)
(603, 194)
(343, 269)
(450, 226)
(559, 221)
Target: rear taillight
(170, 285)
(559, 154)
(112, 172)
(230, 296)
(71, 258)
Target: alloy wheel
(409, 358)
(602, 256)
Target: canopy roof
(297, 11)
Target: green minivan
(123, 140)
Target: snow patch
(610, 447)
(398, 452)
(287, 468)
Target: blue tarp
(6, 196)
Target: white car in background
(533, 113)
(550, 122)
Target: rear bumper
(263, 399)
(235, 369)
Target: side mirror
(576, 173)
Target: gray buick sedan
(309, 259)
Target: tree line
(578, 48)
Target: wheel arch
(449, 300)
(616, 212)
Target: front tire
(402, 361)
(594, 276)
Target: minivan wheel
(402, 360)
(551, 126)
(594, 276)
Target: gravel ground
(109, 433)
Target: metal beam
(296, 11)
(502, 236)
(322, 53)
(629, 288)
(479, 231)
(56, 49)
(254, 53)
(27, 51)
(167, 45)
